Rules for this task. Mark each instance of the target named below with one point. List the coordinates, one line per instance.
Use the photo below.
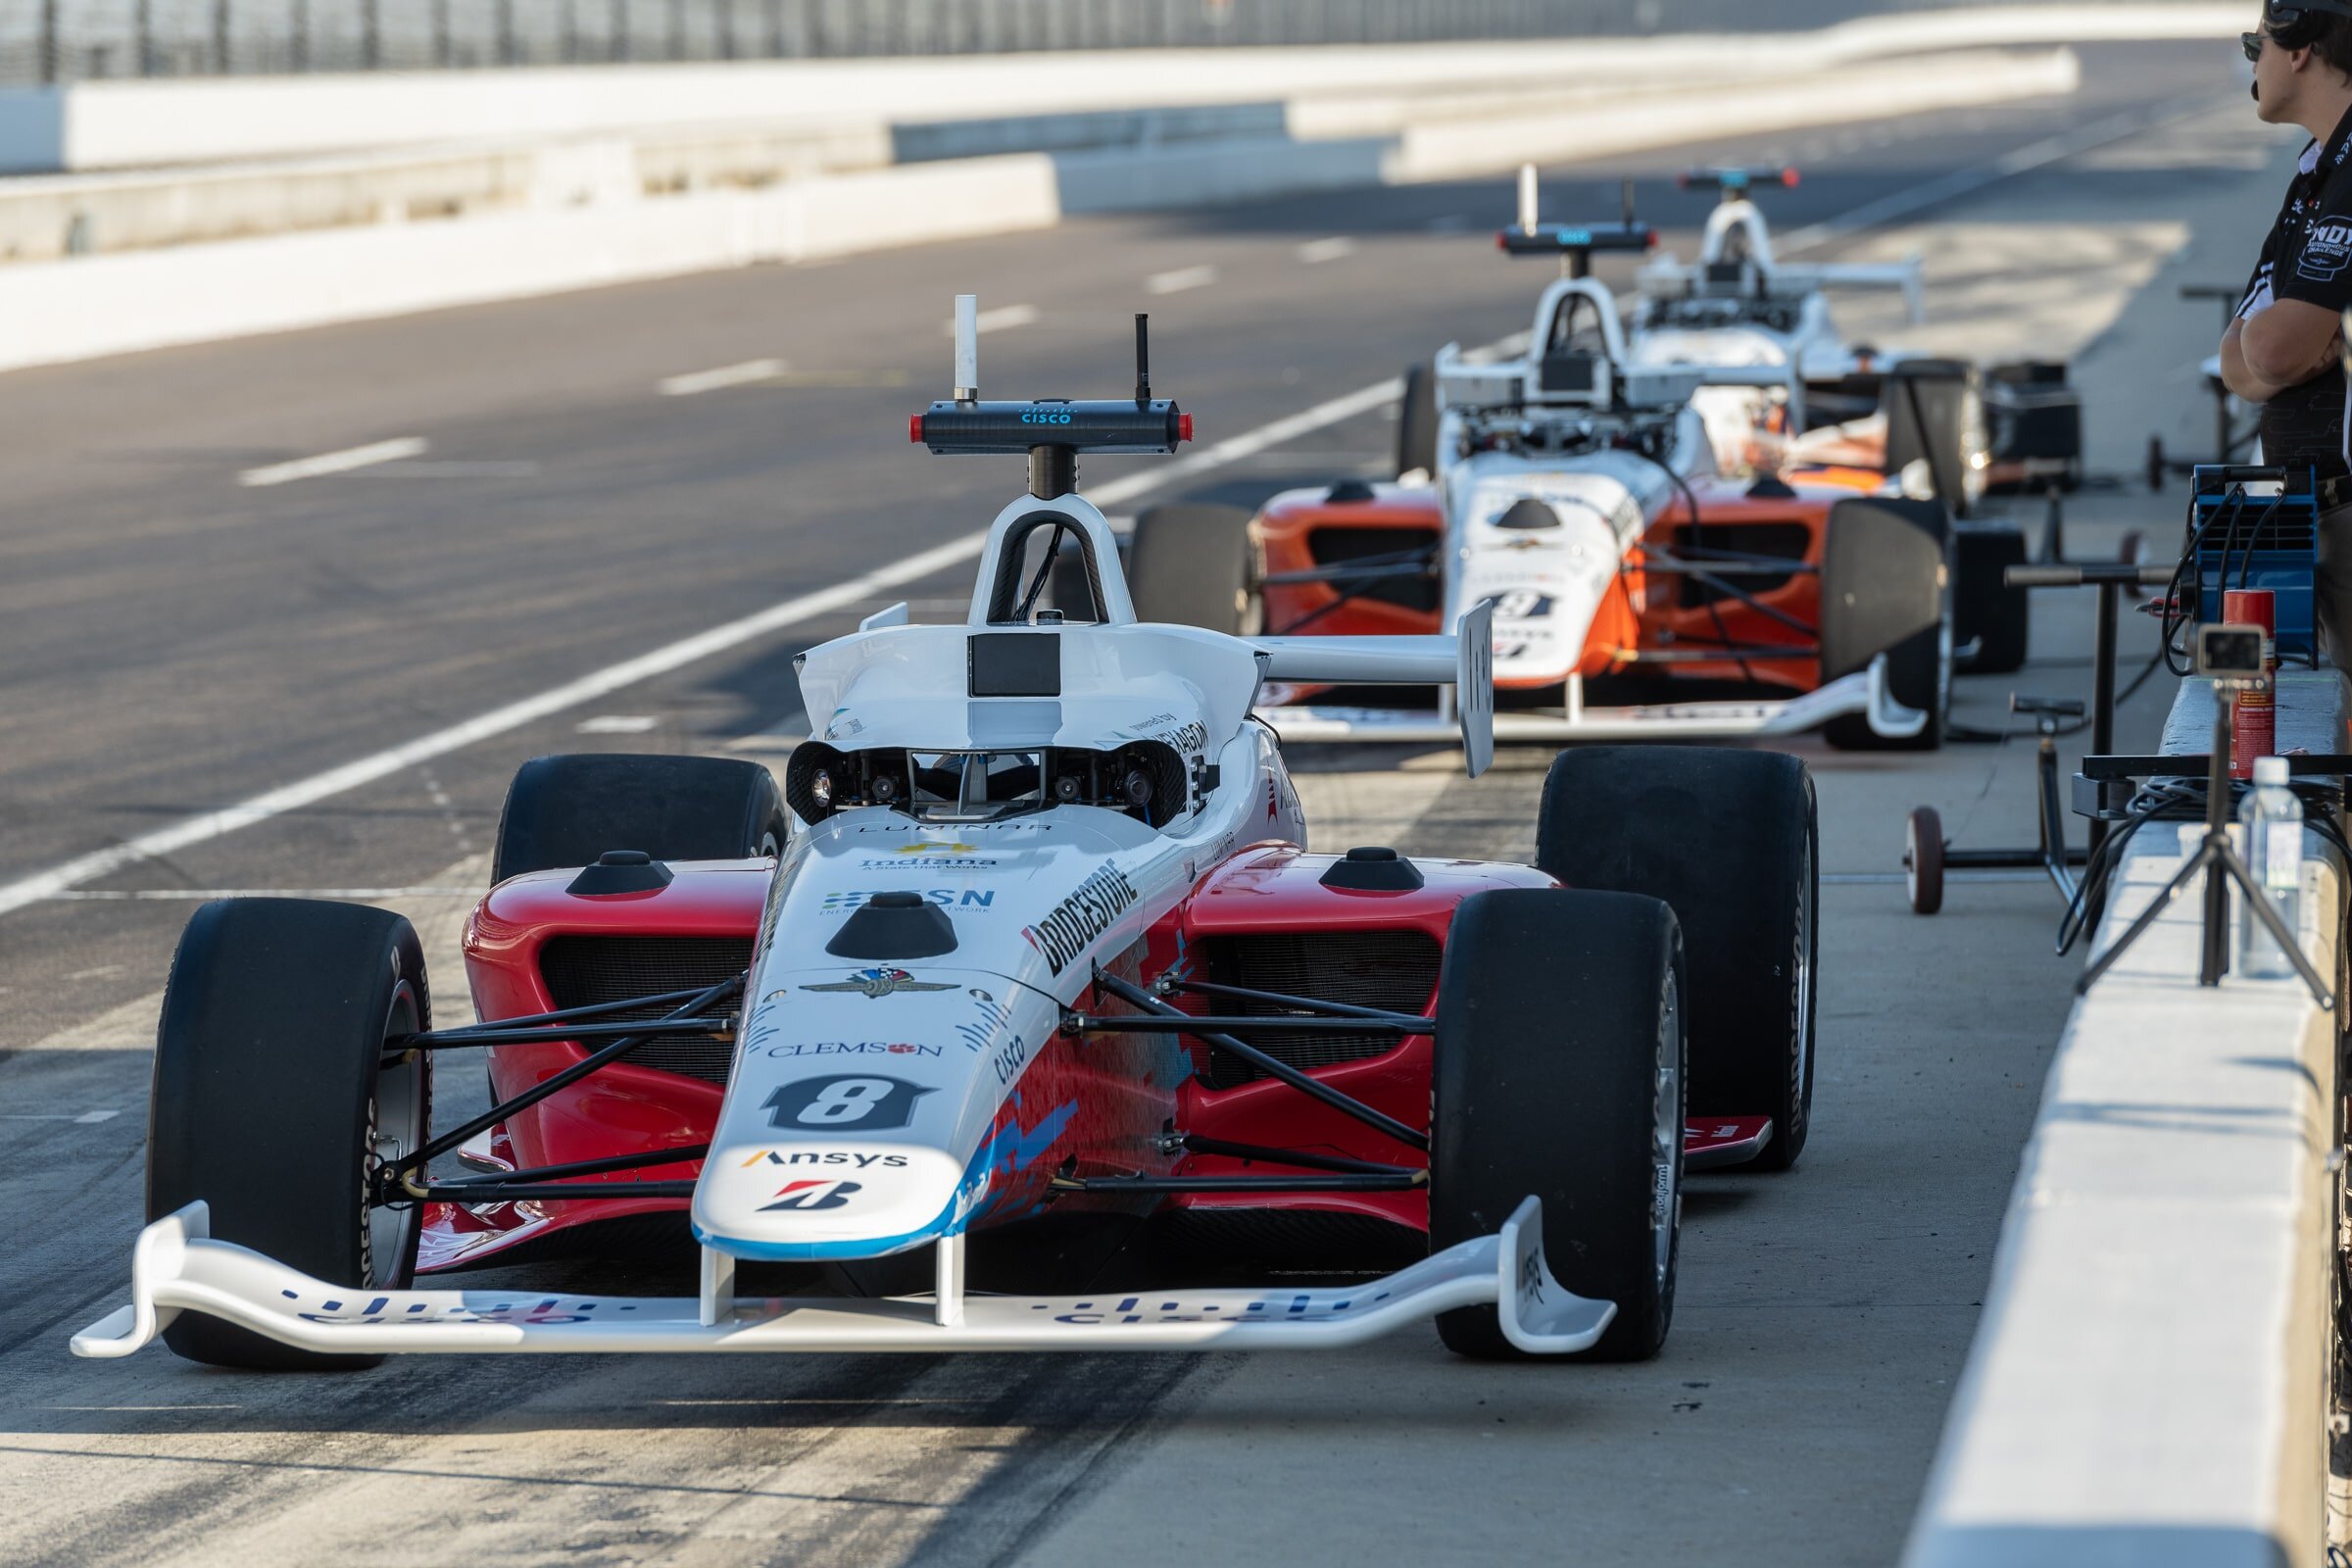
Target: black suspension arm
(1186, 1023)
(471, 1193)
(594, 1009)
(536, 1034)
(585, 1167)
(1273, 1066)
(398, 1175)
(1194, 1144)
(1308, 1004)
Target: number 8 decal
(862, 1102)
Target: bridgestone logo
(1081, 918)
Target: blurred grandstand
(47, 41)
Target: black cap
(620, 871)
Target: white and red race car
(1027, 952)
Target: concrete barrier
(2149, 1380)
(128, 124)
(586, 222)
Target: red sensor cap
(1788, 177)
(914, 428)
(1184, 427)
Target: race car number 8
(845, 1103)
(847, 1100)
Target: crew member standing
(2284, 348)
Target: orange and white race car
(1578, 489)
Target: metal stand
(2218, 862)
(2052, 854)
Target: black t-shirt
(2308, 257)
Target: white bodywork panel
(176, 1268)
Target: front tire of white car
(1558, 1070)
(274, 1103)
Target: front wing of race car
(178, 1268)
(1864, 692)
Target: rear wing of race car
(1463, 659)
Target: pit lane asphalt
(171, 642)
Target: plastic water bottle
(2273, 840)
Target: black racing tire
(1191, 563)
(1923, 861)
(272, 1103)
(1558, 1068)
(1883, 590)
(1417, 422)
(565, 811)
(1730, 841)
(1986, 612)
(1936, 413)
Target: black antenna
(1628, 203)
(1143, 359)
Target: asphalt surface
(172, 640)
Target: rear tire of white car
(564, 811)
(1191, 563)
(1729, 840)
(1558, 1073)
(1986, 610)
(1936, 415)
(1883, 590)
(1417, 424)
(273, 1103)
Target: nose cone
(820, 1198)
(858, 1106)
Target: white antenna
(1527, 198)
(968, 348)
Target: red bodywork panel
(1260, 892)
(1303, 530)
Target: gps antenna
(1626, 194)
(968, 348)
(1143, 359)
(1527, 198)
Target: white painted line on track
(1962, 181)
(1326, 250)
(492, 468)
(343, 462)
(617, 724)
(60, 880)
(88, 1119)
(1003, 318)
(726, 376)
(1179, 280)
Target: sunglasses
(2251, 43)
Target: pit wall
(2149, 1383)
